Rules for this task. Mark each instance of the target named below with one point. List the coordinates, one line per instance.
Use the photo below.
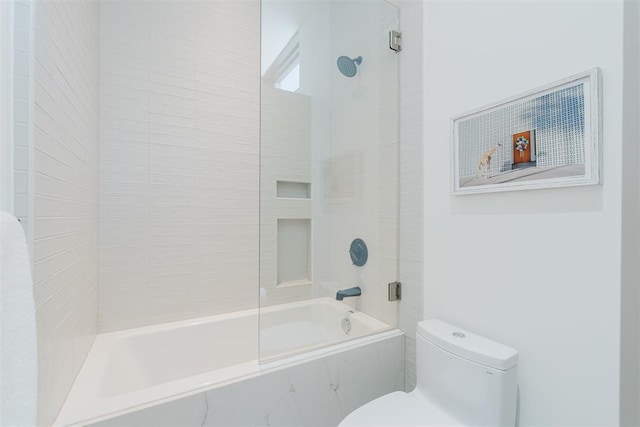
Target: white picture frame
(545, 138)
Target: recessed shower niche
(293, 190)
(294, 252)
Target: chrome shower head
(347, 66)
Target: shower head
(347, 66)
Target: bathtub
(137, 368)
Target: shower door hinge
(395, 291)
(395, 40)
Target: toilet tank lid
(468, 345)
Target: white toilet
(463, 380)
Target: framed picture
(548, 137)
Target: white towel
(18, 351)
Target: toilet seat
(399, 409)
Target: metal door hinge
(395, 40)
(395, 291)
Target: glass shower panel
(329, 173)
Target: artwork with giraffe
(548, 137)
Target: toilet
(463, 380)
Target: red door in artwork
(522, 147)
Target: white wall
(178, 160)
(630, 313)
(65, 204)
(560, 307)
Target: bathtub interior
(300, 327)
(160, 355)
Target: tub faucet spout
(351, 292)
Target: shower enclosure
(328, 172)
(136, 165)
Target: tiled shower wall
(21, 93)
(65, 199)
(363, 196)
(285, 150)
(178, 160)
(295, 128)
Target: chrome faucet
(351, 292)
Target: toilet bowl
(463, 379)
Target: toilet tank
(472, 378)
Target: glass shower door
(329, 173)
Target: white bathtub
(138, 368)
